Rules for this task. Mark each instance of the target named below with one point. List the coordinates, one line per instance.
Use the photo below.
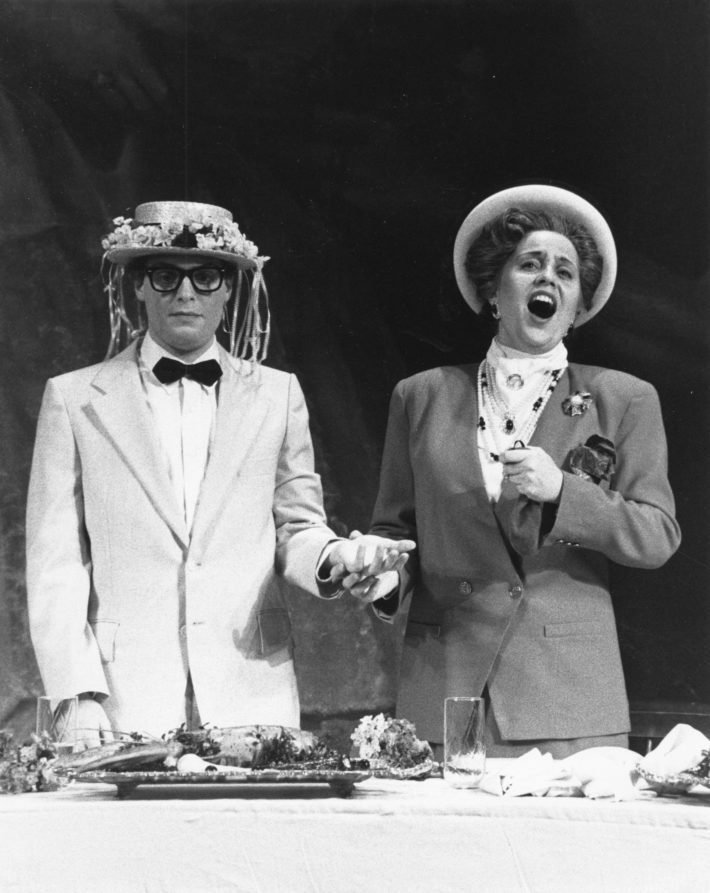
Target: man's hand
(533, 473)
(92, 724)
(367, 565)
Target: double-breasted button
(465, 587)
(515, 590)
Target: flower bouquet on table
(392, 748)
(28, 767)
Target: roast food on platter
(392, 748)
(211, 749)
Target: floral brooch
(577, 404)
(594, 460)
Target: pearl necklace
(495, 414)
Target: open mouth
(542, 305)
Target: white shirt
(507, 361)
(184, 413)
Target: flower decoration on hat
(577, 404)
(202, 233)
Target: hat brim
(123, 255)
(544, 198)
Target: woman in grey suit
(521, 478)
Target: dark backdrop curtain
(349, 138)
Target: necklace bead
(495, 414)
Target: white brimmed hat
(553, 200)
(180, 228)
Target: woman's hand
(370, 589)
(368, 566)
(533, 473)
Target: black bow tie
(167, 371)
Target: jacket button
(183, 632)
(465, 587)
(515, 591)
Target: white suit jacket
(123, 599)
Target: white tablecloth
(389, 836)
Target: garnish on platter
(392, 748)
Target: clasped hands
(368, 566)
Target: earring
(495, 312)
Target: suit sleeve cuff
(327, 588)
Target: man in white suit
(173, 497)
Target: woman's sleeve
(394, 514)
(632, 523)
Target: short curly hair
(499, 238)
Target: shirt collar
(151, 352)
(510, 359)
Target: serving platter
(425, 769)
(680, 783)
(341, 782)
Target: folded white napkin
(681, 750)
(596, 772)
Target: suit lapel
(242, 409)
(553, 430)
(471, 413)
(119, 409)
(550, 431)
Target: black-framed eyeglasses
(204, 279)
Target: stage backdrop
(350, 138)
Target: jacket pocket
(577, 628)
(418, 629)
(274, 628)
(105, 635)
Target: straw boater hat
(554, 200)
(189, 229)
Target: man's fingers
(360, 557)
(337, 571)
(403, 545)
(350, 581)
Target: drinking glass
(56, 720)
(464, 749)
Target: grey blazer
(495, 597)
